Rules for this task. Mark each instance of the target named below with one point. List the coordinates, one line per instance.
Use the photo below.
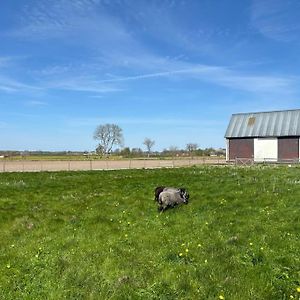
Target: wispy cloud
(277, 19)
(94, 121)
(36, 103)
(222, 76)
(11, 85)
(81, 84)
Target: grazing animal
(183, 192)
(171, 198)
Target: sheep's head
(157, 191)
(185, 195)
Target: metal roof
(264, 124)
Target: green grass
(98, 235)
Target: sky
(172, 71)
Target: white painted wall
(265, 149)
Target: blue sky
(173, 71)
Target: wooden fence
(80, 165)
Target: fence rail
(81, 165)
(251, 161)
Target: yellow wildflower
(186, 250)
(180, 254)
(221, 297)
(298, 289)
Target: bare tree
(108, 136)
(173, 150)
(149, 144)
(191, 147)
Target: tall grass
(98, 235)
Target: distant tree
(108, 135)
(173, 150)
(149, 144)
(125, 152)
(191, 148)
(137, 152)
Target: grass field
(98, 235)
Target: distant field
(98, 235)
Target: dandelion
(199, 245)
(221, 297)
(291, 297)
(261, 248)
(180, 254)
(206, 223)
(205, 261)
(298, 289)
(126, 235)
(251, 244)
(128, 223)
(186, 250)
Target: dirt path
(38, 166)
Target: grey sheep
(172, 198)
(160, 189)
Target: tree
(149, 144)
(125, 152)
(191, 147)
(108, 136)
(173, 150)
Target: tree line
(110, 137)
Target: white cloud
(277, 19)
(11, 85)
(221, 76)
(36, 103)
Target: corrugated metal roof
(264, 124)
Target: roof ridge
(266, 112)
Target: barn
(264, 136)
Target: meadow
(98, 234)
